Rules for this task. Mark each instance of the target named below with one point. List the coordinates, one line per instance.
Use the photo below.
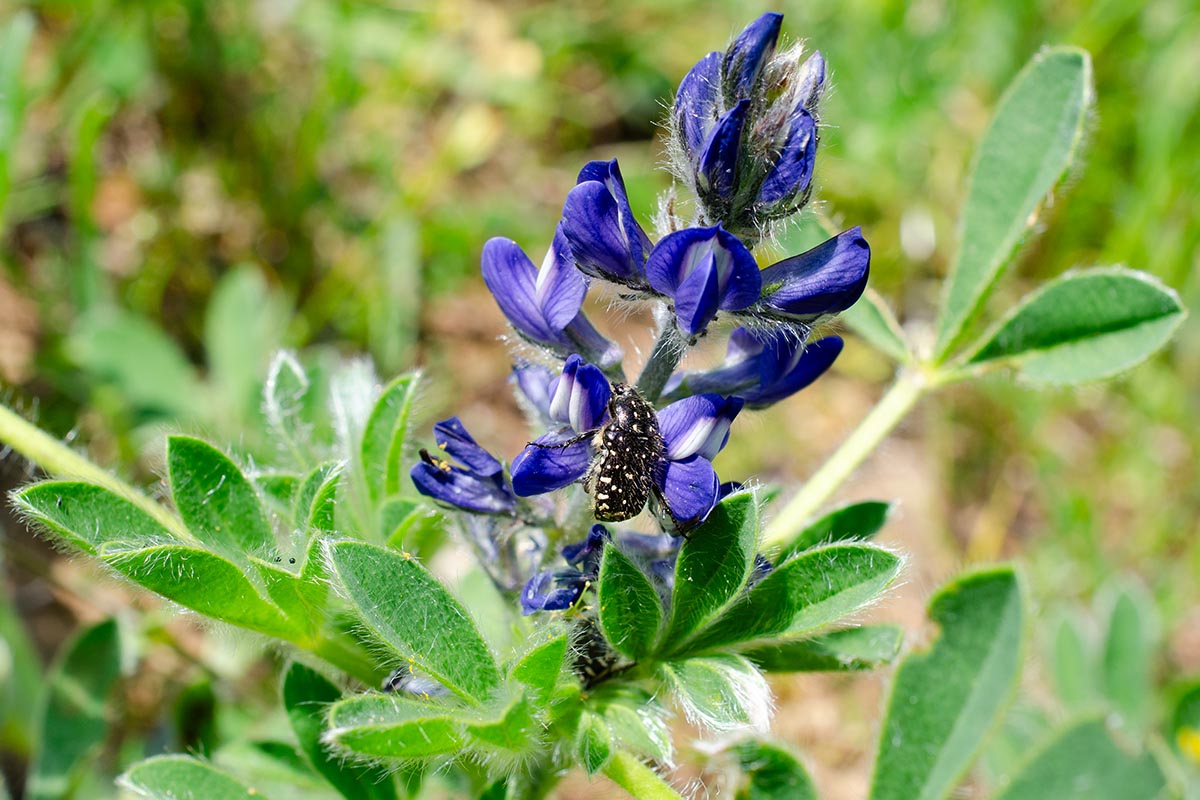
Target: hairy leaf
(772, 772)
(852, 649)
(383, 438)
(184, 778)
(391, 727)
(859, 521)
(1028, 148)
(89, 516)
(945, 700)
(630, 611)
(215, 500)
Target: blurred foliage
(187, 184)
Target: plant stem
(61, 461)
(345, 656)
(892, 407)
(639, 780)
(663, 360)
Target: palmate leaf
(772, 773)
(846, 650)
(384, 436)
(630, 611)
(306, 696)
(946, 699)
(1083, 763)
(713, 566)
(215, 500)
(1026, 151)
(814, 589)
(412, 614)
(74, 712)
(1084, 326)
(183, 778)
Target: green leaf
(215, 500)
(243, 326)
(306, 696)
(945, 700)
(412, 526)
(814, 589)
(146, 366)
(316, 500)
(872, 319)
(723, 692)
(636, 720)
(89, 516)
(593, 743)
(278, 490)
(773, 773)
(713, 565)
(630, 611)
(1073, 666)
(513, 730)
(300, 593)
(858, 521)
(1129, 648)
(202, 581)
(391, 727)
(410, 612)
(184, 778)
(383, 438)
(75, 710)
(847, 650)
(540, 667)
(284, 395)
(1083, 763)
(1084, 326)
(1184, 723)
(15, 37)
(1028, 148)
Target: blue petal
(452, 437)
(463, 490)
(552, 591)
(559, 288)
(604, 236)
(696, 102)
(697, 425)
(586, 554)
(510, 276)
(825, 280)
(690, 488)
(719, 156)
(792, 172)
(580, 396)
(748, 54)
(592, 344)
(704, 269)
(538, 470)
(803, 365)
(697, 297)
(535, 383)
(609, 173)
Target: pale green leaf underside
(1084, 326)
(1083, 763)
(873, 320)
(184, 778)
(1025, 152)
(945, 700)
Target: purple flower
(475, 483)
(543, 304)
(693, 431)
(598, 223)
(762, 369)
(557, 590)
(825, 280)
(553, 591)
(704, 270)
(746, 124)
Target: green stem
(62, 462)
(663, 360)
(636, 778)
(892, 407)
(345, 656)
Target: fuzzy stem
(636, 778)
(663, 360)
(892, 407)
(61, 461)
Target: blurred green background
(186, 186)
